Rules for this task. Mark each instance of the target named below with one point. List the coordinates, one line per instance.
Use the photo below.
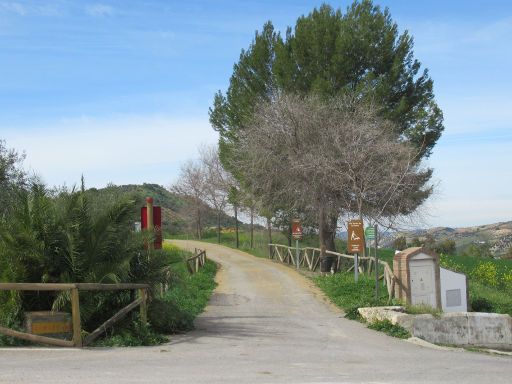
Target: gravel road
(264, 324)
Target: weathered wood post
(143, 305)
(75, 314)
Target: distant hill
(497, 236)
(176, 210)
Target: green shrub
(390, 329)
(136, 334)
(176, 311)
(481, 304)
(487, 273)
(167, 317)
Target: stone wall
(487, 330)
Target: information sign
(296, 229)
(369, 233)
(355, 236)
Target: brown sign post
(355, 242)
(355, 236)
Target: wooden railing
(309, 258)
(194, 263)
(77, 341)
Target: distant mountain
(176, 210)
(497, 236)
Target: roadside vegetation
(174, 311)
(68, 236)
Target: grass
(347, 294)
(390, 329)
(422, 309)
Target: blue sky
(120, 90)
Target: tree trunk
(289, 235)
(252, 227)
(199, 223)
(218, 227)
(326, 230)
(269, 228)
(236, 227)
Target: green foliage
(390, 329)
(135, 334)
(487, 273)
(12, 178)
(487, 299)
(415, 242)
(400, 243)
(328, 53)
(177, 309)
(347, 294)
(56, 237)
(477, 250)
(446, 247)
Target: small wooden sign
(355, 236)
(296, 229)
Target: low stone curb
(464, 329)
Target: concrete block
(451, 329)
(491, 330)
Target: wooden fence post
(143, 305)
(75, 314)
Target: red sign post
(297, 235)
(151, 219)
(296, 229)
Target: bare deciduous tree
(217, 182)
(191, 185)
(328, 156)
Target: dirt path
(264, 324)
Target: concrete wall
(487, 330)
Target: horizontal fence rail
(77, 341)
(309, 258)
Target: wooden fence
(194, 263)
(77, 341)
(310, 258)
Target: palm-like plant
(57, 238)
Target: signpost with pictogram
(297, 235)
(355, 242)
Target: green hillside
(176, 210)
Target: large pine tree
(329, 53)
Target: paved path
(265, 324)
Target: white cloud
(99, 10)
(13, 7)
(47, 9)
(125, 149)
